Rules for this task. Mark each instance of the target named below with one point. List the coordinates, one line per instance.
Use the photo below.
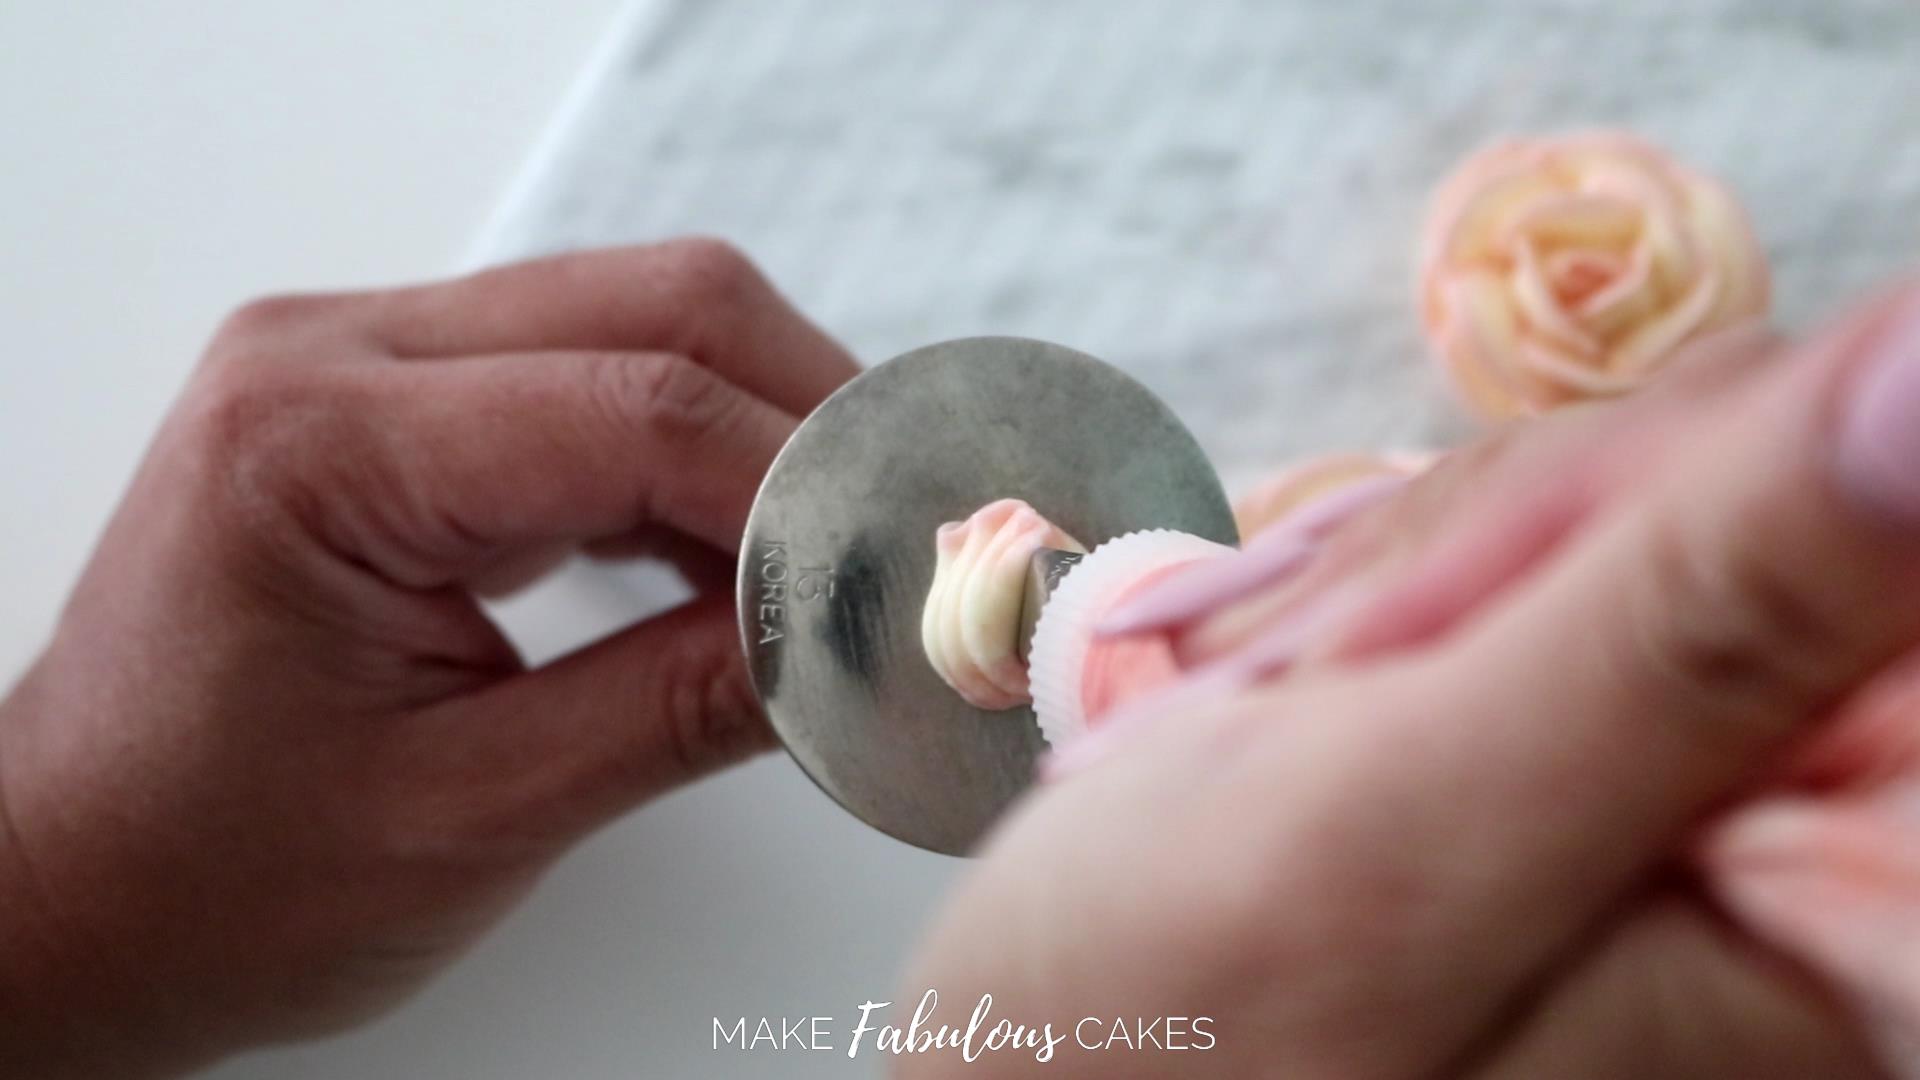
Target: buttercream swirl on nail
(1561, 268)
(971, 624)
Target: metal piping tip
(1044, 573)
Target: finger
(1706, 366)
(704, 568)
(1835, 884)
(1668, 650)
(1870, 742)
(1512, 509)
(696, 297)
(1479, 519)
(1494, 541)
(476, 458)
(1202, 689)
(1454, 490)
(1673, 993)
(542, 758)
(516, 569)
(1269, 560)
(1470, 524)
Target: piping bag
(838, 558)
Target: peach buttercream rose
(1561, 268)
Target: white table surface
(162, 162)
(1218, 196)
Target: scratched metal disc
(839, 553)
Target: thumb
(548, 755)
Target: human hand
(276, 765)
(1451, 841)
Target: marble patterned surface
(1218, 196)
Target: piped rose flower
(1563, 268)
(970, 625)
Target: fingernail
(1195, 590)
(1768, 831)
(1878, 458)
(1776, 899)
(1338, 505)
(1268, 561)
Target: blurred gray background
(1219, 196)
